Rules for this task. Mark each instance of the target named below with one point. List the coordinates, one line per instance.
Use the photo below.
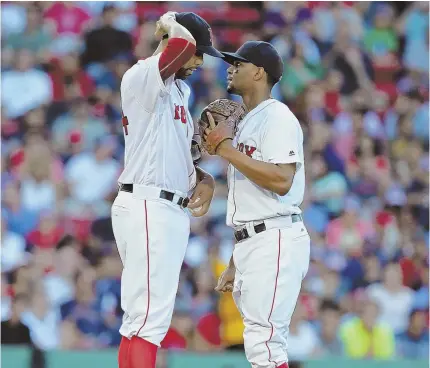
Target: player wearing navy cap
(149, 220)
(266, 187)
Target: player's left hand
(216, 134)
(202, 197)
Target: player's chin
(231, 89)
(185, 73)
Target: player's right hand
(159, 30)
(226, 280)
(164, 23)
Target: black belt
(242, 234)
(164, 194)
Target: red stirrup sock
(142, 353)
(123, 353)
(284, 365)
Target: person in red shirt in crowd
(67, 17)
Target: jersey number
(180, 114)
(125, 124)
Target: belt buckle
(237, 235)
(241, 234)
(185, 202)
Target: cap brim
(210, 50)
(231, 57)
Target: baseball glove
(227, 115)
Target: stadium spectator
(105, 42)
(365, 337)
(17, 97)
(394, 299)
(14, 332)
(13, 252)
(36, 36)
(59, 282)
(303, 342)
(83, 310)
(20, 219)
(42, 320)
(77, 125)
(91, 177)
(40, 173)
(413, 343)
(328, 332)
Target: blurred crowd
(356, 76)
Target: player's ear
(259, 73)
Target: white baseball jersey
(159, 130)
(270, 133)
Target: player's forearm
(265, 175)
(181, 46)
(231, 262)
(177, 52)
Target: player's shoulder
(280, 109)
(153, 59)
(143, 64)
(143, 69)
(279, 113)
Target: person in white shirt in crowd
(43, 321)
(393, 298)
(39, 191)
(59, 283)
(13, 252)
(303, 342)
(92, 177)
(25, 87)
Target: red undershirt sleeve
(176, 54)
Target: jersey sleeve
(178, 51)
(282, 138)
(143, 81)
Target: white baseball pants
(152, 236)
(270, 267)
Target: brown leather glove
(224, 111)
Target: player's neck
(255, 97)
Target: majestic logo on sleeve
(291, 153)
(180, 113)
(248, 150)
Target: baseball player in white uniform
(149, 220)
(266, 187)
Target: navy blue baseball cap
(261, 54)
(200, 30)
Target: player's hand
(164, 23)
(226, 280)
(216, 134)
(201, 199)
(159, 30)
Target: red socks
(136, 353)
(123, 353)
(141, 354)
(284, 365)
